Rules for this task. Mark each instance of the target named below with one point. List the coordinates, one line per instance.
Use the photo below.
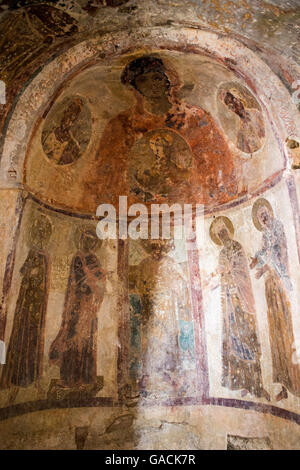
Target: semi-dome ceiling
(206, 139)
(128, 342)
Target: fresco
(250, 287)
(75, 347)
(272, 264)
(241, 352)
(162, 360)
(166, 149)
(67, 131)
(57, 348)
(250, 129)
(246, 443)
(165, 169)
(128, 341)
(176, 137)
(158, 108)
(24, 363)
(24, 37)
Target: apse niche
(108, 323)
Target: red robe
(75, 347)
(212, 178)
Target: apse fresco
(138, 329)
(158, 106)
(161, 121)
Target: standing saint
(24, 362)
(272, 263)
(241, 349)
(75, 347)
(158, 291)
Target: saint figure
(24, 362)
(75, 347)
(159, 300)
(272, 263)
(241, 350)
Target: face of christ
(152, 85)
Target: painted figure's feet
(13, 392)
(56, 390)
(266, 395)
(39, 389)
(282, 395)
(81, 434)
(98, 385)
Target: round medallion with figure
(160, 164)
(67, 131)
(241, 117)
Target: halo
(80, 230)
(260, 202)
(212, 228)
(43, 222)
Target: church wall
(136, 344)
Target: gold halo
(228, 224)
(260, 202)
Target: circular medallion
(67, 131)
